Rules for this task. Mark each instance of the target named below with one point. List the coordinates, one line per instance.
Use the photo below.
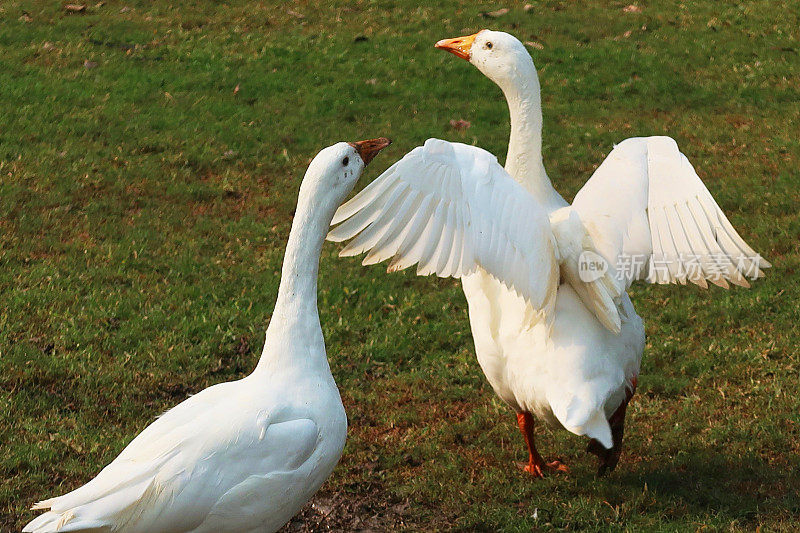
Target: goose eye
(345, 161)
(489, 44)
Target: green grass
(144, 207)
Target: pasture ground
(150, 154)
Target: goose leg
(536, 465)
(610, 458)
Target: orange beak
(370, 148)
(459, 46)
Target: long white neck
(296, 317)
(524, 160)
(298, 288)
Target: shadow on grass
(705, 482)
(700, 486)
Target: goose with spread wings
(555, 331)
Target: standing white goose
(241, 456)
(554, 338)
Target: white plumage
(451, 208)
(510, 236)
(241, 456)
(647, 200)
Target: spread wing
(450, 209)
(652, 218)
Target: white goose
(241, 456)
(554, 338)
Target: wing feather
(445, 243)
(431, 236)
(356, 223)
(649, 205)
(389, 242)
(368, 194)
(450, 208)
(406, 252)
(370, 236)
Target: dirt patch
(369, 511)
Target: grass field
(150, 155)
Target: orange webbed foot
(558, 466)
(538, 470)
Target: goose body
(555, 339)
(241, 456)
(573, 381)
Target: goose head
(498, 55)
(334, 171)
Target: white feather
(471, 226)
